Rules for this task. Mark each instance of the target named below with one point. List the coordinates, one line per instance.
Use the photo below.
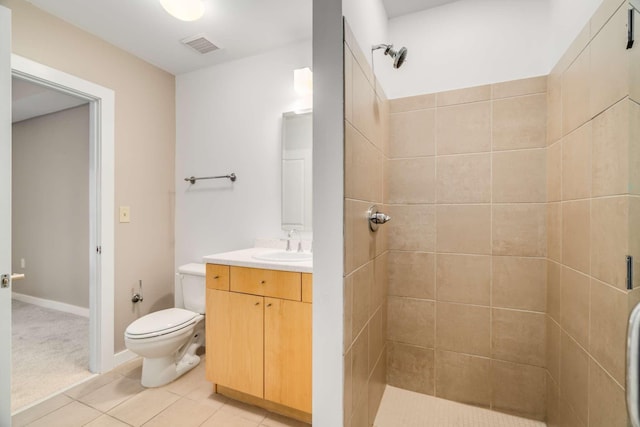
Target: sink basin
(284, 256)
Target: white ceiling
(396, 8)
(30, 100)
(239, 27)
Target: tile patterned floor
(116, 399)
(409, 409)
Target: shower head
(399, 56)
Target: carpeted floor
(50, 352)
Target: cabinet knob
(257, 303)
(216, 277)
(269, 305)
(262, 282)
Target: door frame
(101, 199)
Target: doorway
(100, 244)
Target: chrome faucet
(290, 235)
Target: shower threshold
(403, 408)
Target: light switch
(125, 214)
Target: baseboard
(54, 305)
(123, 357)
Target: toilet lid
(161, 322)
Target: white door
(5, 216)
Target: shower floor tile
(402, 408)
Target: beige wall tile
(463, 378)
(609, 239)
(554, 108)
(377, 338)
(348, 84)
(411, 368)
(362, 284)
(634, 73)
(574, 312)
(462, 96)
(606, 9)
(607, 405)
(412, 228)
(518, 336)
(411, 180)
(634, 236)
(360, 242)
(463, 229)
(347, 386)
(520, 87)
(380, 286)
(568, 417)
(634, 149)
(608, 328)
(553, 396)
(520, 122)
(519, 283)
(348, 311)
(362, 167)
(377, 384)
(519, 176)
(412, 134)
(366, 108)
(576, 163)
(609, 81)
(463, 328)
(554, 273)
(518, 389)
(464, 179)
(411, 103)
(610, 158)
(464, 128)
(519, 230)
(554, 172)
(360, 367)
(554, 231)
(575, 48)
(576, 219)
(574, 374)
(463, 278)
(576, 93)
(553, 349)
(360, 417)
(412, 274)
(411, 321)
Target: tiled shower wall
(365, 283)
(466, 188)
(593, 214)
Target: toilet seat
(161, 322)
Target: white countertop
(244, 258)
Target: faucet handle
(300, 246)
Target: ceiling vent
(200, 43)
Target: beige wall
(50, 206)
(593, 216)
(366, 143)
(465, 182)
(144, 150)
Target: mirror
(297, 140)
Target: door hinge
(98, 250)
(629, 272)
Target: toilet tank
(192, 278)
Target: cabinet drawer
(270, 283)
(218, 277)
(307, 287)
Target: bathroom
(155, 187)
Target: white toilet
(168, 339)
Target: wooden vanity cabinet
(258, 336)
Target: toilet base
(163, 370)
(160, 371)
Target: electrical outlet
(125, 214)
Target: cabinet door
(287, 348)
(235, 345)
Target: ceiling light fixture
(185, 10)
